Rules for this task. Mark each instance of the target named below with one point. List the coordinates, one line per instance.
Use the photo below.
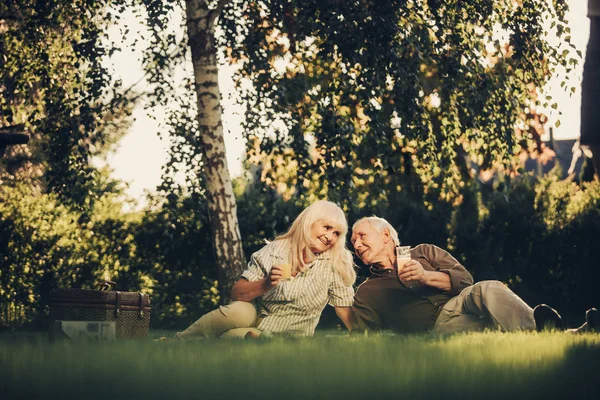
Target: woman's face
(323, 236)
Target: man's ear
(386, 236)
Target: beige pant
(235, 320)
(487, 304)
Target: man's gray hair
(379, 224)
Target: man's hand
(413, 271)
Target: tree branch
(130, 89)
(6, 21)
(14, 16)
(216, 12)
(8, 17)
(12, 129)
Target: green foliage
(263, 214)
(53, 81)
(387, 88)
(45, 244)
(62, 224)
(174, 248)
(165, 252)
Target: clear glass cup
(402, 257)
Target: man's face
(369, 245)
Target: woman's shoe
(592, 319)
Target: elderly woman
(265, 301)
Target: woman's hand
(275, 276)
(243, 290)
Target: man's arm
(438, 280)
(413, 271)
(443, 262)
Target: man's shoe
(592, 319)
(547, 318)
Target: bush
(44, 244)
(175, 251)
(538, 237)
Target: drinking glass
(402, 257)
(287, 271)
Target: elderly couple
(431, 292)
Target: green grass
(485, 365)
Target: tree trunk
(219, 190)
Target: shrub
(44, 244)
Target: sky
(142, 152)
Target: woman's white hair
(300, 237)
(380, 224)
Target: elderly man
(444, 300)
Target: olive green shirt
(593, 8)
(384, 302)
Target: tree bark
(219, 190)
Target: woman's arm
(247, 291)
(347, 317)
(244, 290)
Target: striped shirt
(294, 306)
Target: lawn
(483, 365)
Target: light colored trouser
(235, 320)
(487, 304)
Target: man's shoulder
(421, 250)
(425, 246)
(425, 249)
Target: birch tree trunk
(219, 190)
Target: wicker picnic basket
(130, 310)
